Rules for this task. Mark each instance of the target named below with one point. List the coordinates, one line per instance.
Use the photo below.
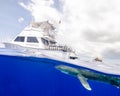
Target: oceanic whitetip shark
(83, 75)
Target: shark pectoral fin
(84, 82)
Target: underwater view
(31, 76)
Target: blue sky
(11, 11)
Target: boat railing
(63, 48)
(72, 55)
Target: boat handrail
(63, 48)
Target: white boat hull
(38, 52)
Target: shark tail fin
(84, 82)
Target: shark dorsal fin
(84, 82)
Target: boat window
(45, 42)
(32, 40)
(20, 39)
(52, 42)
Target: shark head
(67, 69)
(60, 67)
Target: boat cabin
(34, 41)
(36, 36)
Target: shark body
(83, 75)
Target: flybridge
(47, 28)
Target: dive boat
(39, 38)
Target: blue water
(29, 76)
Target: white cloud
(21, 19)
(42, 10)
(90, 26)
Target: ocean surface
(32, 76)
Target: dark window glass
(52, 42)
(32, 40)
(20, 39)
(45, 42)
